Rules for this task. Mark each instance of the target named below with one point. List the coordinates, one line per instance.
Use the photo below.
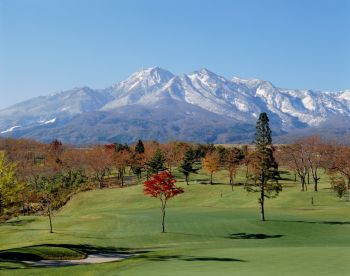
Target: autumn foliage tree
(98, 162)
(162, 186)
(316, 156)
(295, 158)
(173, 153)
(55, 151)
(339, 186)
(122, 160)
(232, 161)
(211, 163)
(137, 163)
(339, 162)
(9, 186)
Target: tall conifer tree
(186, 166)
(264, 168)
(139, 148)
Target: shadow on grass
(16, 256)
(19, 222)
(13, 258)
(91, 249)
(315, 222)
(245, 236)
(207, 182)
(5, 265)
(188, 258)
(195, 235)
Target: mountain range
(154, 104)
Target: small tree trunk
(163, 219)
(231, 182)
(163, 214)
(1, 207)
(211, 178)
(295, 177)
(302, 180)
(121, 176)
(50, 218)
(101, 179)
(262, 207)
(186, 177)
(316, 182)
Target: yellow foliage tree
(9, 186)
(211, 163)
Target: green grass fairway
(210, 231)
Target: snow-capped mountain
(46, 109)
(144, 104)
(139, 86)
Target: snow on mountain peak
(345, 95)
(206, 74)
(156, 73)
(251, 83)
(205, 79)
(205, 71)
(145, 78)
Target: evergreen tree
(156, 163)
(186, 166)
(121, 147)
(139, 148)
(263, 132)
(264, 168)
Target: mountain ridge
(200, 93)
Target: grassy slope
(207, 233)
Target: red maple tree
(162, 186)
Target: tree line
(38, 178)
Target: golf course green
(210, 230)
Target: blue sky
(48, 46)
